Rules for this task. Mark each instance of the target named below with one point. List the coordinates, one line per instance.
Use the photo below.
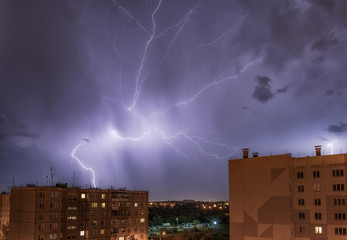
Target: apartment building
(4, 211)
(61, 212)
(282, 197)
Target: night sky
(158, 95)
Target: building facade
(4, 212)
(282, 197)
(47, 213)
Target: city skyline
(158, 95)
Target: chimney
(318, 150)
(245, 152)
(255, 154)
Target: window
(302, 229)
(94, 214)
(82, 233)
(316, 174)
(53, 226)
(142, 220)
(54, 194)
(83, 196)
(71, 218)
(53, 215)
(71, 208)
(136, 204)
(317, 202)
(42, 205)
(339, 201)
(102, 231)
(340, 231)
(316, 187)
(71, 227)
(94, 195)
(54, 205)
(94, 223)
(53, 236)
(93, 232)
(40, 227)
(300, 188)
(42, 195)
(82, 224)
(338, 187)
(340, 216)
(337, 173)
(41, 216)
(94, 205)
(318, 216)
(301, 202)
(82, 214)
(103, 205)
(318, 230)
(103, 196)
(300, 175)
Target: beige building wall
(281, 197)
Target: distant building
(48, 213)
(4, 211)
(282, 197)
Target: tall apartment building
(282, 197)
(48, 213)
(4, 211)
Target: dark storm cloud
(282, 90)
(68, 74)
(323, 44)
(338, 128)
(262, 92)
(329, 92)
(12, 128)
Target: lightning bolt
(80, 163)
(150, 128)
(183, 21)
(138, 82)
(196, 95)
(331, 146)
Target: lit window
(316, 187)
(103, 205)
(83, 195)
(136, 204)
(103, 196)
(142, 220)
(94, 205)
(318, 230)
(102, 231)
(82, 233)
(71, 218)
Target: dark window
(316, 174)
(318, 216)
(317, 202)
(300, 175)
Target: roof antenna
(52, 176)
